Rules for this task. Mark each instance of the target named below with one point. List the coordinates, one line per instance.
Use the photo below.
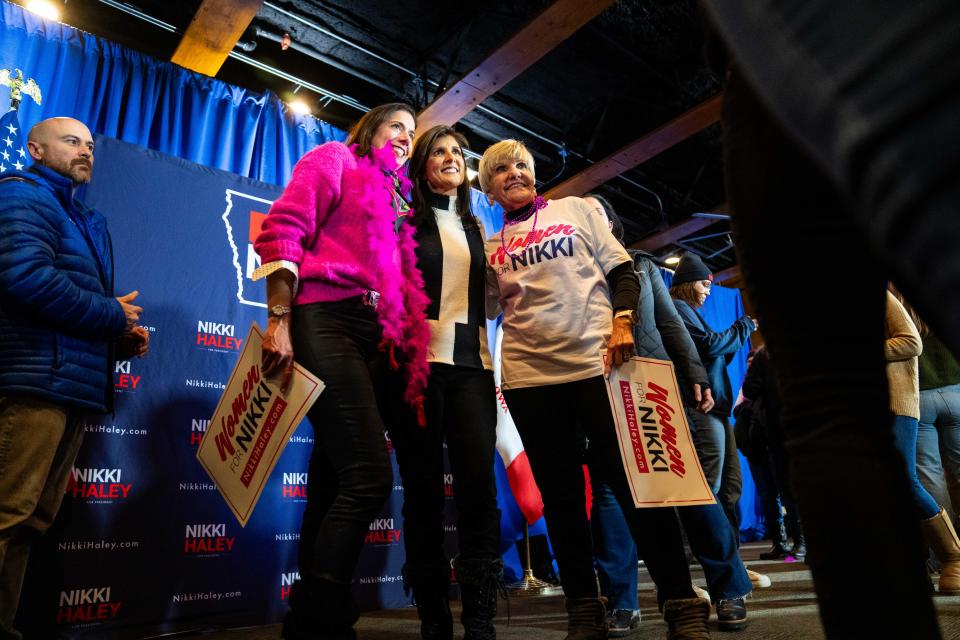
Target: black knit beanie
(691, 269)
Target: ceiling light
(672, 260)
(471, 175)
(44, 9)
(299, 106)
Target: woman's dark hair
(361, 134)
(417, 172)
(922, 328)
(686, 292)
(617, 228)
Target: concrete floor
(785, 610)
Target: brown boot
(687, 619)
(586, 619)
(942, 538)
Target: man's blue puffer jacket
(58, 316)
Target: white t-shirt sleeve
(607, 250)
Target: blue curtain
(722, 308)
(123, 94)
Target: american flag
(12, 153)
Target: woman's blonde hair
(496, 154)
(685, 291)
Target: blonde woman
(567, 289)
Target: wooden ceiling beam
(213, 32)
(639, 151)
(672, 233)
(538, 37)
(730, 275)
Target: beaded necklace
(533, 209)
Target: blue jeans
(613, 549)
(938, 445)
(708, 532)
(717, 451)
(905, 439)
(769, 497)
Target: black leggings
(549, 419)
(461, 408)
(350, 476)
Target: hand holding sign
(655, 444)
(251, 426)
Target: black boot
(778, 536)
(431, 594)
(480, 583)
(586, 619)
(320, 610)
(799, 550)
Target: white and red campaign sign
(654, 437)
(251, 426)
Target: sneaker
(758, 580)
(623, 622)
(732, 614)
(703, 594)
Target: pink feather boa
(402, 306)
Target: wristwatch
(278, 310)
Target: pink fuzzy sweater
(335, 219)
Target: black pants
(823, 322)
(547, 418)
(460, 408)
(350, 476)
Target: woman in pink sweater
(346, 299)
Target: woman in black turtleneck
(459, 407)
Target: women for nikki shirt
(554, 293)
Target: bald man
(60, 329)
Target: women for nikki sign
(655, 444)
(251, 426)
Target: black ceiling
(633, 68)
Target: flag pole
(530, 585)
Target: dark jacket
(58, 316)
(716, 349)
(761, 387)
(660, 332)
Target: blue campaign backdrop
(144, 539)
(721, 309)
(144, 531)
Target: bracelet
(279, 310)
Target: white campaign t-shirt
(554, 294)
